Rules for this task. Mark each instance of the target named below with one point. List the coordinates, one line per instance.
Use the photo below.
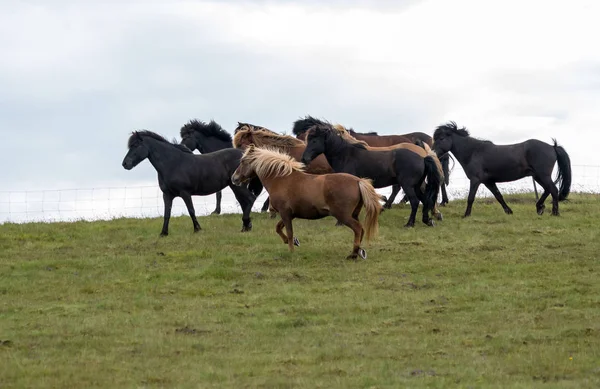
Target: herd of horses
(328, 170)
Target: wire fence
(146, 201)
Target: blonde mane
(268, 162)
(266, 138)
(341, 130)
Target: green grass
(491, 301)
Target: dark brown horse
(296, 194)
(375, 140)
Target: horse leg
(289, 229)
(265, 206)
(355, 216)
(421, 196)
(187, 199)
(494, 189)
(414, 205)
(390, 200)
(217, 210)
(279, 230)
(472, 192)
(246, 199)
(168, 200)
(444, 196)
(358, 234)
(549, 188)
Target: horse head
(138, 151)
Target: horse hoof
(197, 229)
(296, 242)
(508, 211)
(430, 223)
(247, 228)
(439, 216)
(352, 256)
(387, 206)
(163, 234)
(409, 225)
(443, 204)
(215, 212)
(362, 253)
(556, 213)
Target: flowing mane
(303, 125)
(450, 127)
(250, 127)
(323, 130)
(211, 129)
(267, 162)
(266, 138)
(352, 132)
(136, 136)
(346, 135)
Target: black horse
(486, 163)
(375, 140)
(208, 138)
(182, 173)
(394, 167)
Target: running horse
(423, 150)
(390, 167)
(297, 194)
(373, 139)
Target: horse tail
(434, 180)
(373, 208)
(445, 160)
(564, 171)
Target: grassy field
(491, 301)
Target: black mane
(136, 136)
(450, 127)
(210, 129)
(303, 125)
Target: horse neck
(213, 144)
(163, 156)
(463, 147)
(335, 150)
(269, 182)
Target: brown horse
(247, 134)
(422, 151)
(296, 194)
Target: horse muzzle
(127, 165)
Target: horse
(399, 166)
(375, 140)
(246, 134)
(297, 194)
(423, 150)
(208, 138)
(181, 173)
(487, 163)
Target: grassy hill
(489, 301)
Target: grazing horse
(487, 163)
(399, 166)
(181, 173)
(208, 138)
(375, 140)
(297, 194)
(423, 150)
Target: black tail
(434, 180)
(445, 160)
(564, 172)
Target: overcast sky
(76, 77)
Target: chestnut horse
(297, 194)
